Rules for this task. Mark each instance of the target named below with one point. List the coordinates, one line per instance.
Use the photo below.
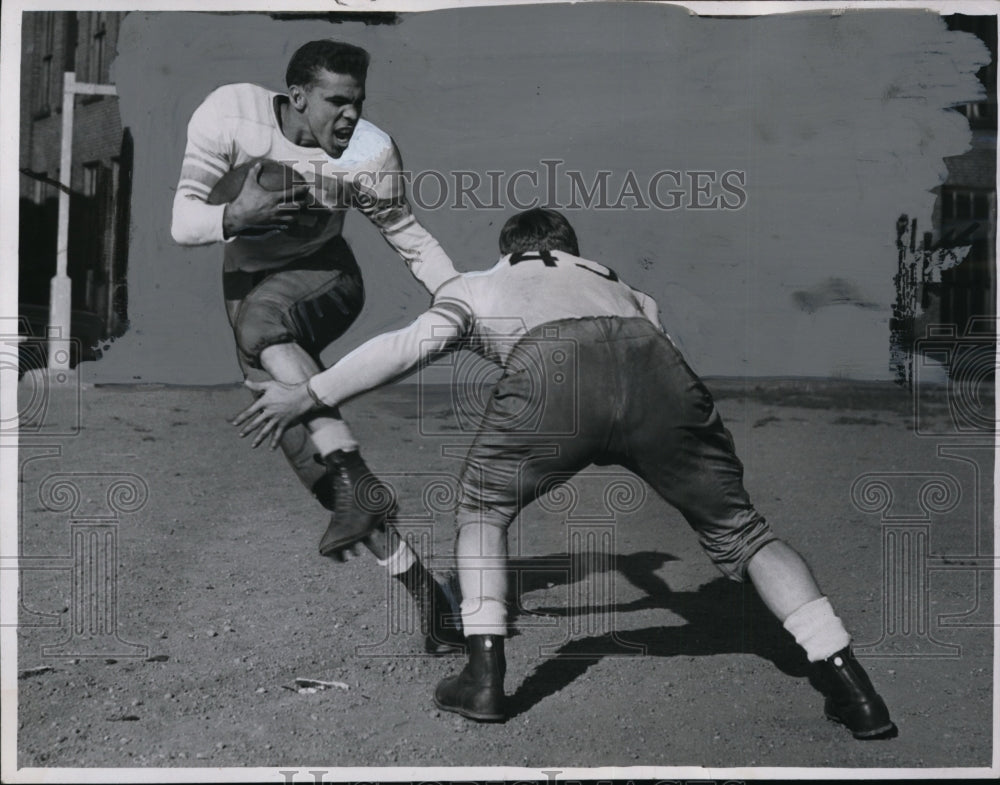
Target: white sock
(817, 629)
(330, 435)
(484, 616)
(400, 561)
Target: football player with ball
(271, 177)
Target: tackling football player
(636, 404)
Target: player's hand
(277, 408)
(258, 208)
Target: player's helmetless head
(326, 86)
(538, 230)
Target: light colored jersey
(239, 123)
(488, 312)
(494, 308)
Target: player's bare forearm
(277, 407)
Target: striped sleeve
(388, 208)
(207, 157)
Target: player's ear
(297, 96)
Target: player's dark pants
(610, 391)
(310, 302)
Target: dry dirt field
(171, 594)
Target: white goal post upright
(60, 299)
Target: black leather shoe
(361, 503)
(477, 692)
(852, 700)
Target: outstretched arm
(377, 362)
(384, 202)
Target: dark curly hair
(335, 56)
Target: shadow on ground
(721, 616)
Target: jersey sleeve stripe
(196, 159)
(405, 223)
(196, 186)
(456, 312)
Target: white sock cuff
(331, 435)
(817, 629)
(484, 616)
(401, 560)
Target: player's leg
(785, 583)
(291, 364)
(782, 579)
(313, 305)
(281, 325)
(296, 444)
(535, 435)
(678, 443)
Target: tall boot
(439, 609)
(851, 698)
(361, 503)
(477, 692)
(325, 491)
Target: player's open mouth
(343, 135)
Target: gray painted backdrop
(839, 122)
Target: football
(273, 175)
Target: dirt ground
(194, 559)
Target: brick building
(99, 183)
(946, 281)
(966, 210)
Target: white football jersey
(496, 307)
(238, 123)
(488, 312)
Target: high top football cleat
(477, 692)
(851, 698)
(361, 503)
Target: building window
(91, 174)
(97, 65)
(47, 44)
(116, 173)
(947, 205)
(41, 189)
(963, 207)
(980, 207)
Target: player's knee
(258, 326)
(473, 508)
(732, 551)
